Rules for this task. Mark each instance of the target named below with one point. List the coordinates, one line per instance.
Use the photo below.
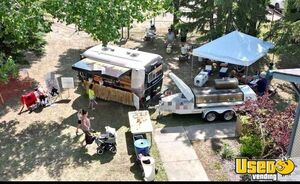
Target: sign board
(140, 122)
(67, 82)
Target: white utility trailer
(209, 101)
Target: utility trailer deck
(209, 101)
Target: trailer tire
(100, 151)
(228, 115)
(211, 116)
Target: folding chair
(208, 68)
(28, 100)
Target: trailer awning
(89, 65)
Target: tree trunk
(128, 33)
(122, 32)
(211, 19)
(176, 5)
(175, 17)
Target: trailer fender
(217, 110)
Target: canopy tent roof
(235, 48)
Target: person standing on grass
(85, 126)
(92, 97)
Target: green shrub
(251, 146)
(8, 68)
(227, 152)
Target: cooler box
(142, 146)
(201, 79)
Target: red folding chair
(29, 99)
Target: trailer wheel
(228, 115)
(211, 116)
(100, 151)
(113, 149)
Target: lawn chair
(30, 101)
(208, 68)
(223, 72)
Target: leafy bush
(264, 128)
(251, 146)
(227, 152)
(8, 69)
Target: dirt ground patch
(217, 169)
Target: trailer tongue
(210, 101)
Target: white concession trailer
(126, 71)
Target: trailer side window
(169, 103)
(154, 73)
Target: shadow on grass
(106, 113)
(63, 101)
(38, 145)
(135, 168)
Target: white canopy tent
(235, 48)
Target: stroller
(150, 33)
(107, 141)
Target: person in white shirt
(184, 49)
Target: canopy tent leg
(247, 71)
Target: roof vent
(105, 48)
(134, 54)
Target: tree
(285, 33)
(8, 69)
(103, 19)
(217, 17)
(22, 25)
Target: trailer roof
(291, 75)
(121, 56)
